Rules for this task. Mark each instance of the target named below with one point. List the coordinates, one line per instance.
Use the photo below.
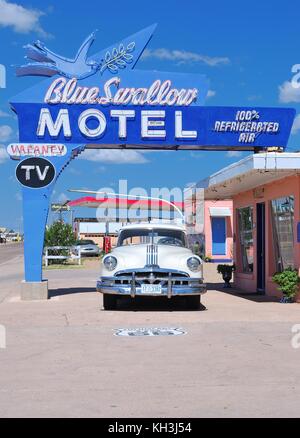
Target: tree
(59, 234)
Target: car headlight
(110, 263)
(193, 264)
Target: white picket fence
(70, 256)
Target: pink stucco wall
(208, 229)
(279, 188)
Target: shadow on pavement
(70, 290)
(257, 297)
(155, 304)
(163, 303)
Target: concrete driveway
(63, 359)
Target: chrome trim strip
(133, 287)
(165, 279)
(151, 269)
(170, 285)
(152, 255)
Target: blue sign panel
(184, 127)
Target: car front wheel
(109, 302)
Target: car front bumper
(132, 286)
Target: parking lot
(62, 357)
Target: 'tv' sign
(41, 175)
(35, 172)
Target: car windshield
(158, 236)
(85, 242)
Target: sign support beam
(36, 205)
(35, 214)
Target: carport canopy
(250, 173)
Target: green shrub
(59, 234)
(287, 281)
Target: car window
(155, 236)
(85, 242)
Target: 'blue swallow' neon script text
(159, 93)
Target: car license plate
(151, 288)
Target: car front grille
(152, 277)
(152, 255)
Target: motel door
(261, 259)
(218, 226)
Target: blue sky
(246, 50)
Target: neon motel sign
(159, 93)
(103, 100)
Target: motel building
(265, 193)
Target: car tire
(193, 302)
(109, 302)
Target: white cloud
(5, 132)
(234, 154)
(288, 93)
(4, 114)
(114, 156)
(22, 20)
(182, 56)
(3, 154)
(296, 125)
(211, 93)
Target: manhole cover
(150, 331)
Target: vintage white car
(151, 260)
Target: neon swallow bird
(49, 63)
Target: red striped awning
(123, 203)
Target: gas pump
(107, 244)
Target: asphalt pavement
(11, 268)
(9, 251)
